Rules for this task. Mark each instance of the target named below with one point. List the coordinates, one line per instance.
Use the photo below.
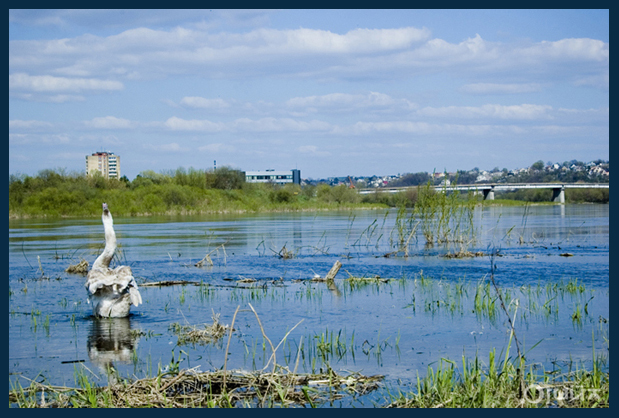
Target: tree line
(58, 193)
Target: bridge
(558, 189)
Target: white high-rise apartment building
(105, 162)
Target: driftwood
(331, 274)
(170, 283)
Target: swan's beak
(105, 209)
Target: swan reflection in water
(111, 341)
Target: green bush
(587, 195)
(225, 178)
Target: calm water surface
(425, 312)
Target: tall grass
(498, 384)
(446, 217)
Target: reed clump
(79, 268)
(200, 335)
(354, 282)
(464, 254)
(446, 217)
(499, 385)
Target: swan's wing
(125, 275)
(120, 278)
(97, 278)
(136, 298)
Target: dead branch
(333, 272)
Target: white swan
(111, 291)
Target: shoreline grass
(505, 384)
(497, 384)
(55, 194)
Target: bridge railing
(488, 189)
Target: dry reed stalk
(207, 257)
(228, 345)
(264, 335)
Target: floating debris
(170, 283)
(190, 388)
(464, 254)
(189, 334)
(372, 279)
(79, 268)
(285, 253)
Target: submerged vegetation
(298, 370)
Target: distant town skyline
(329, 92)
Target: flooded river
(410, 310)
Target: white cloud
(39, 138)
(355, 41)
(598, 80)
(346, 102)
(55, 98)
(19, 139)
(365, 128)
(422, 129)
(177, 124)
(28, 124)
(279, 125)
(109, 122)
(495, 111)
(313, 150)
(172, 147)
(582, 49)
(217, 147)
(204, 103)
(145, 53)
(498, 88)
(51, 84)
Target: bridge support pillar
(489, 193)
(558, 194)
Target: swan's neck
(110, 242)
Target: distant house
(483, 176)
(275, 177)
(105, 162)
(598, 171)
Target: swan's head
(106, 211)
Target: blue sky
(330, 92)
